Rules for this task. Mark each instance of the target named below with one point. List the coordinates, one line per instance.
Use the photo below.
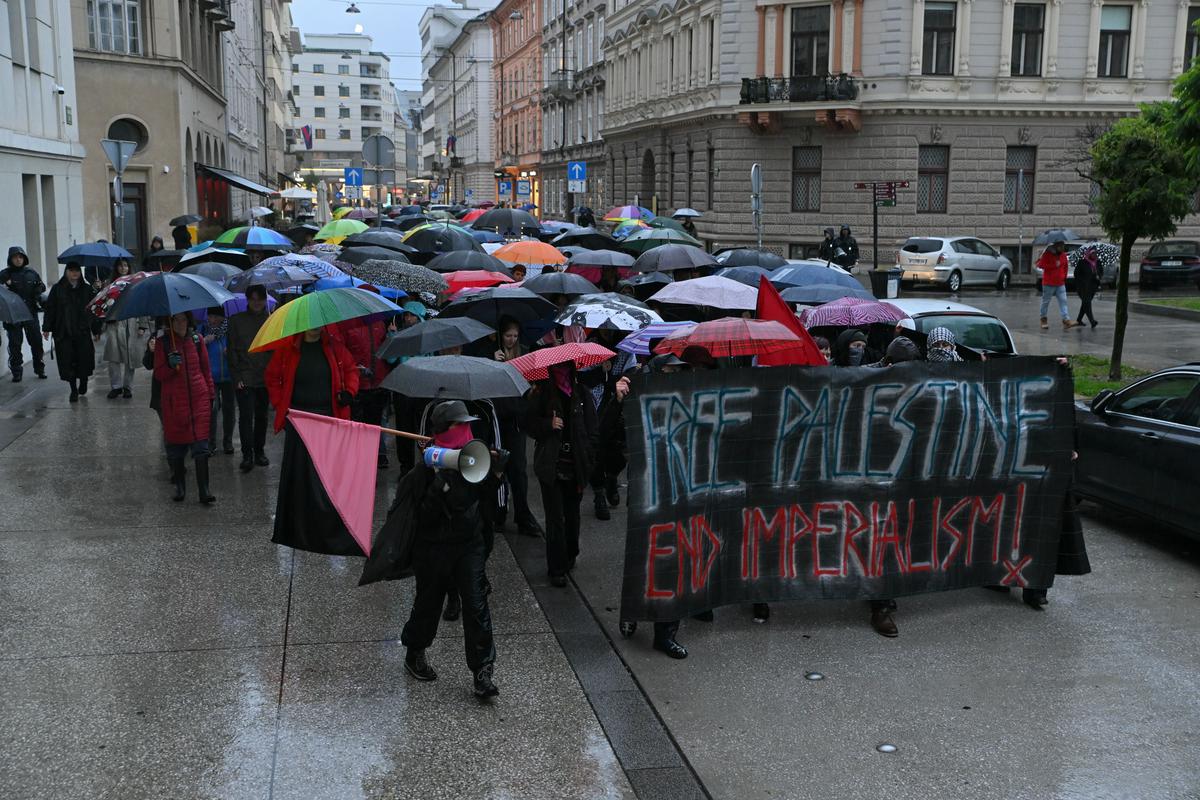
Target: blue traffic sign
(505, 188)
(577, 170)
(353, 176)
(469, 193)
(435, 195)
(523, 188)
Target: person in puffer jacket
(215, 333)
(182, 368)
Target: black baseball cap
(451, 412)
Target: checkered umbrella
(732, 336)
(535, 366)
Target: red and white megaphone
(472, 462)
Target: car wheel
(955, 282)
(1004, 279)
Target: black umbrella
(467, 259)
(392, 240)
(560, 283)
(489, 305)
(655, 279)
(162, 259)
(507, 222)
(407, 222)
(815, 294)
(747, 257)
(1052, 235)
(213, 270)
(434, 335)
(408, 278)
(590, 238)
(185, 219)
(359, 255)
(442, 239)
(456, 378)
(13, 308)
(601, 258)
(670, 257)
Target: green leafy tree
(1146, 186)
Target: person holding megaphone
(449, 554)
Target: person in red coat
(363, 338)
(311, 372)
(182, 370)
(1053, 263)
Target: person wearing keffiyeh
(940, 346)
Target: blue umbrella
(347, 281)
(814, 294)
(485, 237)
(278, 276)
(93, 254)
(805, 274)
(314, 266)
(212, 270)
(746, 275)
(254, 237)
(166, 293)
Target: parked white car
(954, 262)
(972, 327)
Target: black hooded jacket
(67, 314)
(849, 246)
(841, 347)
(23, 281)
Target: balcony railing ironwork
(800, 89)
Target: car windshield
(1174, 249)
(976, 331)
(922, 246)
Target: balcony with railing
(368, 70)
(560, 83)
(371, 114)
(833, 98)
(369, 93)
(221, 14)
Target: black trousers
(440, 569)
(29, 331)
(1085, 309)
(252, 419)
(560, 501)
(517, 474)
(369, 406)
(225, 403)
(405, 416)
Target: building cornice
(151, 62)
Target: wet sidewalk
(150, 649)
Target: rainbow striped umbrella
(317, 310)
(254, 237)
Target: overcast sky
(393, 24)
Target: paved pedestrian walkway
(150, 649)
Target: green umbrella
(340, 228)
(316, 310)
(645, 240)
(667, 222)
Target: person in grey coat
(124, 343)
(249, 382)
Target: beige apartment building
(975, 104)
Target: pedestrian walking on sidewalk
(1053, 263)
(74, 328)
(27, 284)
(1087, 283)
(248, 370)
(449, 555)
(182, 368)
(215, 333)
(124, 343)
(510, 412)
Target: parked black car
(1139, 448)
(1174, 261)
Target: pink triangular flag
(345, 455)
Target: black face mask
(855, 356)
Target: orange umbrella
(530, 252)
(475, 279)
(473, 215)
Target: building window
(319, 133)
(318, 91)
(343, 91)
(343, 134)
(806, 179)
(295, 91)
(1114, 41)
(343, 69)
(319, 112)
(933, 178)
(295, 67)
(1029, 20)
(1020, 165)
(129, 130)
(343, 113)
(318, 69)
(937, 54)
(712, 176)
(810, 41)
(114, 26)
(1191, 45)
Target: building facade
(517, 113)
(976, 105)
(408, 140)
(573, 78)
(278, 45)
(245, 115)
(40, 151)
(439, 27)
(343, 94)
(153, 73)
(469, 161)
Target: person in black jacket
(448, 556)
(18, 278)
(561, 419)
(74, 328)
(1087, 283)
(849, 246)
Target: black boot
(453, 607)
(177, 478)
(202, 481)
(484, 687)
(82, 386)
(671, 647)
(602, 506)
(612, 492)
(16, 374)
(1034, 598)
(417, 666)
(74, 390)
(628, 629)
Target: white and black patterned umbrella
(1108, 258)
(608, 311)
(393, 274)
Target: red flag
(772, 306)
(345, 455)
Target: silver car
(954, 261)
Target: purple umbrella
(850, 311)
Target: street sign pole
(1020, 220)
(756, 200)
(874, 226)
(119, 152)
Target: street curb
(1165, 311)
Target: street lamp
(353, 9)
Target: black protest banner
(788, 483)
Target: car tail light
(1191, 260)
(942, 258)
(1147, 262)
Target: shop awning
(233, 179)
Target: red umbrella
(471, 216)
(535, 366)
(102, 303)
(475, 279)
(733, 336)
(850, 311)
